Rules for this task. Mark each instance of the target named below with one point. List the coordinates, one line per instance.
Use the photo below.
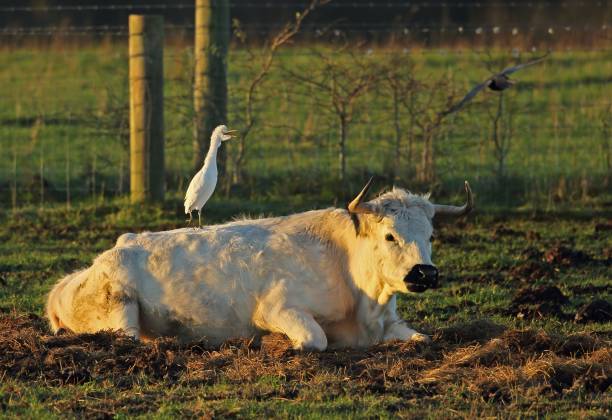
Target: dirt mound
(536, 264)
(531, 267)
(578, 344)
(533, 236)
(599, 310)
(466, 332)
(480, 356)
(540, 294)
(28, 352)
(501, 230)
(561, 255)
(531, 270)
(531, 254)
(602, 228)
(588, 289)
(538, 302)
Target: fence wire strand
(65, 115)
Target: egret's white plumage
(204, 182)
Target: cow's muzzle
(421, 278)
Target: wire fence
(337, 5)
(398, 31)
(64, 118)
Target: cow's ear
(361, 223)
(356, 222)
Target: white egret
(204, 182)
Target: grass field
(515, 323)
(64, 118)
(505, 339)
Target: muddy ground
(488, 360)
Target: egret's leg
(189, 220)
(200, 218)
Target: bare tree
(266, 59)
(401, 85)
(606, 141)
(502, 130)
(428, 97)
(502, 121)
(342, 78)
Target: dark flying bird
(498, 82)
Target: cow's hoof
(302, 347)
(420, 338)
(311, 345)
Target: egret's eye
(389, 237)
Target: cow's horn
(356, 206)
(456, 211)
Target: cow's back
(208, 282)
(199, 282)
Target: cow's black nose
(421, 277)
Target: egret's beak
(232, 133)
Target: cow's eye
(389, 237)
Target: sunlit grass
(558, 144)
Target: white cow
(323, 277)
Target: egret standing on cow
(204, 182)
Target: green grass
(558, 152)
(37, 247)
(556, 159)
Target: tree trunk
(411, 136)
(498, 140)
(212, 31)
(342, 149)
(398, 138)
(431, 163)
(238, 162)
(606, 145)
(426, 173)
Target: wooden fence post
(146, 108)
(212, 32)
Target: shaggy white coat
(319, 277)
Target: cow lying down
(323, 277)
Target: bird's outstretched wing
(512, 69)
(467, 98)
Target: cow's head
(396, 228)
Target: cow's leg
(124, 317)
(396, 329)
(400, 331)
(301, 328)
(273, 314)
